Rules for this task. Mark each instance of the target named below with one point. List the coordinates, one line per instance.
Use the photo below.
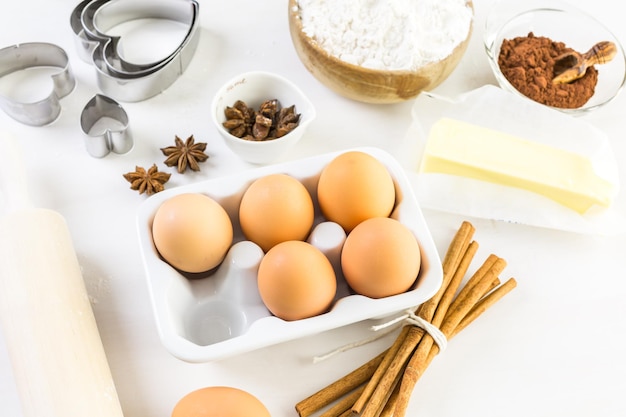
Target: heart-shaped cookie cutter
(118, 78)
(30, 55)
(116, 137)
(93, 19)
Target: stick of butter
(459, 148)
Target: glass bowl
(561, 23)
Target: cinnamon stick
(468, 297)
(342, 386)
(451, 261)
(372, 402)
(392, 353)
(457, 247)
(392, 375)
(339, 388)
(454, 284)
(462, 304)
(388, 409)
(477, 276)
(486, 302)
(344, 404)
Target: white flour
(387, 34)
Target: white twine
(385, 328)
(352, 345)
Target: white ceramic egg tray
(218, 314)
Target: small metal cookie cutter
(116, 77)
(37, 54)
(115, 136)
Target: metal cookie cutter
(113, 135)
(113, 13)
(117, 77)
(37, 54)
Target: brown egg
(296, 280)
(380, 257)
(274, 209)
(192, 232)
(220, 402)
(354, 187)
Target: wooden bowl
(365, 84)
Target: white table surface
(553, 347)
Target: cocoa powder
(527, 62)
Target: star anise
(261, 128)
(239, 119)
(287, 120)
(270, 122)
(185, 154)
(149, 182)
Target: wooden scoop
(573, 65)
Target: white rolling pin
(59, 362)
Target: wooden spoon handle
(600, 53)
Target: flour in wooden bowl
(380, 51)
(387, 34)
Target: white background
(553, 347)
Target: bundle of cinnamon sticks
(382, 387)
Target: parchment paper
(494, 108)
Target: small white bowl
(219, 314)
(254, 88)
(560, 22)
